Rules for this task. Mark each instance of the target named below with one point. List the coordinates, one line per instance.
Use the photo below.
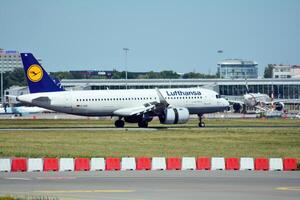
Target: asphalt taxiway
(142, 185)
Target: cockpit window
(218, 96)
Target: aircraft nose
(226, 104)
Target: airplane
(257, 101)
(171, 106)
(21, 110)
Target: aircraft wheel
(201, 124)
(119, 123)
(143, 124)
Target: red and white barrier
(217, 163)
(97, 164)
(145, 163)
(276, 164)
(5, 165)
(128, 163)
(159, 163)
(188, 163)
(82, 164)
(35, 164)
(246, 164)
(173, 163)
(112, 164)
(261, 164)
(203, 163)
(51, 164)
(66, 164)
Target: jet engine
(279, 106)
(175, 116)
(237, 107)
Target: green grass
(221, 139)
(7, 198)
(26, 198)
(57, 123)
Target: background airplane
(171, 106)
(257, 101)
(21, 110)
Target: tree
(169, 74)
(16, 77)
(197, 75)
(269, 71)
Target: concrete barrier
(128, 163)
(217, 163)
(5, 165)
(66, 164)
(246, 163)
(276, 164)
(158, 163)
(97, 164)
(188, 163)
(35, 164)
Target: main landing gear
(143, 124)
(119, 123)
(201, 123)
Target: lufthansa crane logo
(35, 73)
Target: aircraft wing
(139, 110)
(155, 107)
(264, 109)
(233, 101)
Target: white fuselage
(106, 102)
(252, 99)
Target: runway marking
(18, 178)
(288, 188)
(56, 178)
(86, 191)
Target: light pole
(219, 52)
(126, 52)
(2, 90)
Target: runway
(150, 128)
(148, 185)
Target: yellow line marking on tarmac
(288, 188)
(86, 191)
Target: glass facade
(237, 69)
(281, 88)
(289, 91)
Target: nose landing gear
(201, 122)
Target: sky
(178, 35)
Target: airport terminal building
(286, 90)
(237, 69)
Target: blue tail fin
(37, 78)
